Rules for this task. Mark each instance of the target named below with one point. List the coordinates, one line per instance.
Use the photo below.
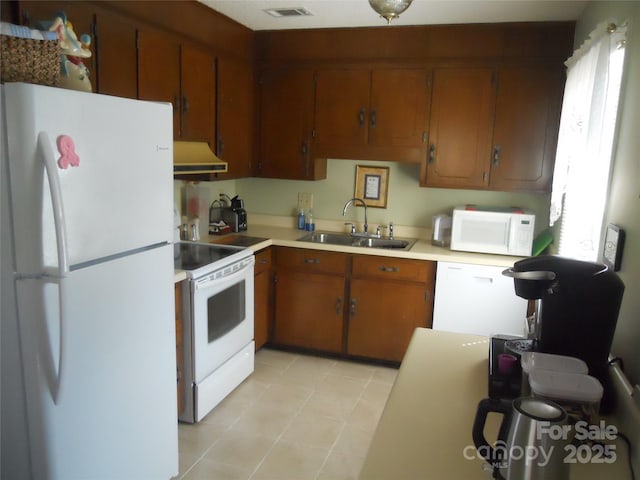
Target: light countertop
(425, 428)
(277, 232)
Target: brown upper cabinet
(236, 97)
(526, 127)
(371, 112)
(493, 128)
(198, 87)
(159, 71)
(285, 127)
(477, 106)
(462, 106)
(342, 107)
(116, 55)
(183, 75)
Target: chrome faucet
(365, 227)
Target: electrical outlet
(305, 200)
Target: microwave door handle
(48, 159)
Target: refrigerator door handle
(55, 375)
(48, 158)
(43, 336)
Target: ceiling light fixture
(390, 9)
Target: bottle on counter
(301, 219)
(309, 225)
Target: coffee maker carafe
(577, 305)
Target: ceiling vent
(289, 12)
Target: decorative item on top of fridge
(74, 74)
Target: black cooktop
(192, 256)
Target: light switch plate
(305, 200)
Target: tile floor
(296, 417)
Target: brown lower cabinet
(389, 298)
(355, 305)
(309, 298)
(262, 297)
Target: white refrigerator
(88, 353)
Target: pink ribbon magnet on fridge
(67, 149)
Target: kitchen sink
(383, 243)
(347, 240)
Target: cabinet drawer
(264, 260)
(315, 261)
(389, 268)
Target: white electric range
(217, 324)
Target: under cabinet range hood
(195, 158)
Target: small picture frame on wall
(613, 246)
(372, 185)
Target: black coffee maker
(577, 306)
(237, 205)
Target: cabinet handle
(432, 153)
(304, 149)
(483, 279)
(338, 305)
(220, 146)
(424, 137)
(313, 261)
(426, 295)
(185, 104)
(361, 117)
(496, 155)
(354, 304)
(374, 119)
(263, 261)
(389, 269)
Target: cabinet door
(159, 71)
(262, 298)
(198, 87)
(380, 326)
(461, 126)
(399, 107)
(286, 116)
(309, 310)
(526, 126)
(342, 107)
(235, 116)
(116, 55)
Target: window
(585, 142)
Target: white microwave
(505, 231)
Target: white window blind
(585, 141)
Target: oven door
(222, 316)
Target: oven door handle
(206, 282)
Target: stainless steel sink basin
(331, 238)
(382, 243)
(347, 240)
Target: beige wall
(623, 207)
(407, 204)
